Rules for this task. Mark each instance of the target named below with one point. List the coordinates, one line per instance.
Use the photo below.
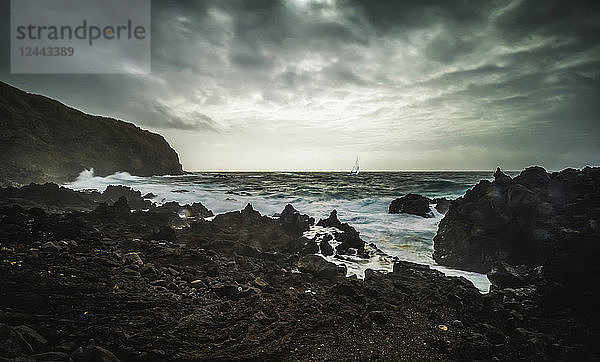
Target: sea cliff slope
(44, 140)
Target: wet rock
(504, 275)
(316, 265)
(325, 247)
(331, 221)
(411, 204)
(195, 211)
(402, 266)
(310, 246)
(441, 204)
(349, 238)
(249, 228)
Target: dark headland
(42, 140)
(107, 276)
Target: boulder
(118, 212)
(316, 265)
(519, 221)
(411, 204)
(134, 198)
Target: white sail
(356, 168)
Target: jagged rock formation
(349, 237)
(43, 140)
(416, 204)
(533, 219)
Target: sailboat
(355, 169)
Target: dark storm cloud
(576, 19)
(390, 15)
(513, 79)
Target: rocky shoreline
(87, 278)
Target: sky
(312, 84)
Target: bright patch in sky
(308, 85)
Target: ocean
(362, 201)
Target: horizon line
(346, 171)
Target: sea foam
(360, 201)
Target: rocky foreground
(86, 278)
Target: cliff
(531, 219)
(44, 140)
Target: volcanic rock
(294, 222)
(441, 204)
(43, 140)
(248, 228)
(195, 210)
(411, 204)
(216, 295)
(349, 238)
(524, 220)
(325, 247)
(318, 266)
(501, 178)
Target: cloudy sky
(311, 84)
